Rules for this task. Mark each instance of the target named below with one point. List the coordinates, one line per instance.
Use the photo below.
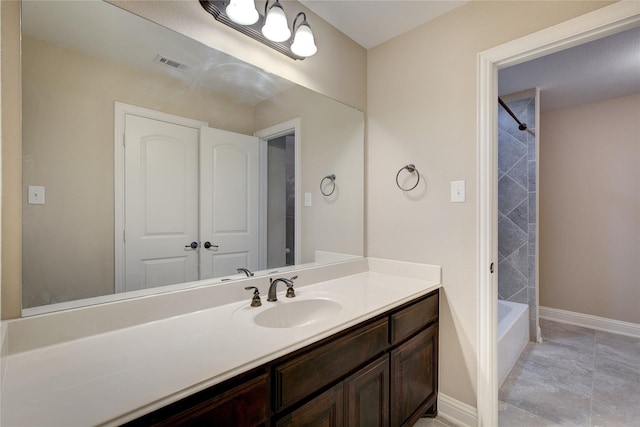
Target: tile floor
(575, 377)
(434, 422)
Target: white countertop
(117, 376)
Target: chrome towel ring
(411, 168)
(331, 178)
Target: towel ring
(331, 178)
(411, 168)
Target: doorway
(280, 180)
(609, 20)
(280, 200)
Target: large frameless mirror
(151, 160)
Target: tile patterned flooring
(434, 422)
(575, 377)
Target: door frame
(120, 112)
(265, 135)
(600, 23)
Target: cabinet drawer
(311, 371)
(413, 318)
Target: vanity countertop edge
(117, 376)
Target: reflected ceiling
(93, 34)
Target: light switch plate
(458, 194)
(36, 195)
(307, 199)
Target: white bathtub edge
(512, 338)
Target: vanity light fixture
(303, 41)
(275, 26)
(242, 12)
(270, 29)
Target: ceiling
(100, 29)
(372, 22)
(603, 69)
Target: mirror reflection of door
(281, 201)
(229, 202)
(191, 202)
(161, 203)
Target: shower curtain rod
(521, 126)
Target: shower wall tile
(532, 271)
(532, 207)
(510, 194)
(510, 281)
(519, 259)
(521, 296)
(531, 147)
(520, 172)
(510, 151)
(511, 237)
(517, 206)
(531, 172)
(520, 216)
(532, 238)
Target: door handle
(208, 245)
(192, 245)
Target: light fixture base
(217, 9)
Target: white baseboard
(457, 412)
(589, 321)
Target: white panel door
(229, 202)
(161, 203)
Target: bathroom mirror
(80, 61)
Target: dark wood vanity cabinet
(383, 372)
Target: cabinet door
(367, 395)
(325, 410)
(415, 377)
(244, 405)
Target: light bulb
(275, 26)
(242, 12)
(303, 41)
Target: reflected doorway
(281, 200)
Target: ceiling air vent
(168, 62)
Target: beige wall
(68, 141)
(332, 143)
(422, 109)
(11, 159)
(590, 209)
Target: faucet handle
(255, 300)
(291, 293)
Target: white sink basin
(292, 314)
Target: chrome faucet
(273, 284)
(246, 271)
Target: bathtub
(513, 335)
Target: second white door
(229, 202)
